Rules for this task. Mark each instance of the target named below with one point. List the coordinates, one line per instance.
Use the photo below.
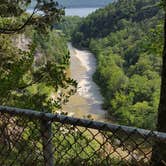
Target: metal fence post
(46, 133)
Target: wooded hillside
(126, 38)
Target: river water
(81, 12)
(87, 100)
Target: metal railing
(32, 138)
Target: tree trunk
(159, 149)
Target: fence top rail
(82, 122)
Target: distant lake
(82, 12)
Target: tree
(23, 82)
(159, 152)
(51, 13)
(17, 69)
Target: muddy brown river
(87, 100)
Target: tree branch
(32, 83)
(16, 30)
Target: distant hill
(84, 3)
(81, 3)
(114, 17)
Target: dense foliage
(68, 25)
(33, 62)
(43, 16)
(52, 87)
(126, 38)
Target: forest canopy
(126, 37)
(34, 58)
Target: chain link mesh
(45, 139)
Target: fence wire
(30, 138)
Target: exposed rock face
(23, 42)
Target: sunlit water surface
(87, 100)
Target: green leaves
(126, 38)
(34, 63)
(163, 4)
(14, 63)
(45, 14)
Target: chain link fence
(30, 138)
